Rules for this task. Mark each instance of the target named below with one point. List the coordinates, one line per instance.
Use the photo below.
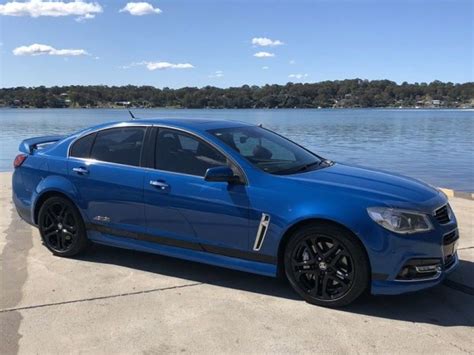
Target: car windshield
(267, 150)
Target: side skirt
(224, 257)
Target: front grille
(443, 215)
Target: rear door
(181, 206)
(105, 168)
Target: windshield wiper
(323, 163)
(307, 166)
(326, 162)
(320, 163)
(298, 169)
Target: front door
(180, 205)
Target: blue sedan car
(238, 196)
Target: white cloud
(140, 9)
(166, 65)
(217, 74)
(292, 61)
(266, 42)
(37, 8)
(263, 55)
(159, 65)
(265, 67)
(298, 76)
(85, 17)
(43, 49)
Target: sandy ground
(119, 301)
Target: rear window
(82, 147)
(119, 145)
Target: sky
(178, 43)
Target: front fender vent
(262, 231)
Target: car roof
(195, 124)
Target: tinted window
(82, 147)
(119, 145)
(183, 153)
(267, 150)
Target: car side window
(119, 145)
(82, 147)
(183, 153)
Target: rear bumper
(24, 211)
(396, 287)
(19, 197)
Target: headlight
(400, 221)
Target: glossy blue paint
(190, 208)
(216, 222)
(110, 190)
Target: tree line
(338, 93)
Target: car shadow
(441, 305)
(449, 304)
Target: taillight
(19, 159)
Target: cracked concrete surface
(119, 301)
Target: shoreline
(408, 108)
(345, 93)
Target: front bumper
(396, 287)
(407, 263)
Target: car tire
(326, 265)
(61, 227)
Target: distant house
(122, 103)
(436, 102)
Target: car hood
(370, 183)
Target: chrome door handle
(160, 184)
(80, 170)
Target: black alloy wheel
(326, 266)
(61, 227)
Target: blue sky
(210, 42)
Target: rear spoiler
(28, 146)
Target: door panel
(112, 194)
(192, 209)
(180, 204)
(105, 168)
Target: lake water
(432, 145)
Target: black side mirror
(221, 174)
